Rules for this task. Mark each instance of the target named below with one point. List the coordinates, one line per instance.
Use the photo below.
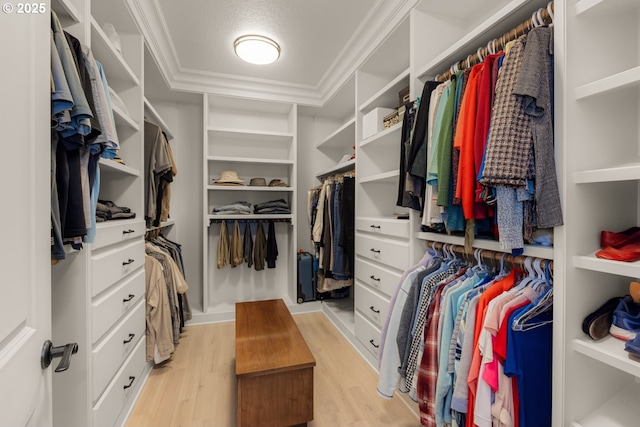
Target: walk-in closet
(461, 179)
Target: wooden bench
(274, 367)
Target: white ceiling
(321, 42)
(311, 34)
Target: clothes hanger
(479, 54)
(542, 304)
(550, 12)
(540, 19)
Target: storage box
(373, 121)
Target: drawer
(107, 410)
(368, 334)
(386, 281)
(389, 252)
(111, 265)
(109, 355)
(386, 226)
(371, 304)
(107, 309)
(110, 232)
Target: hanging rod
(543, 14)
(346, 174)
(495, 255)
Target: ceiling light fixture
(256, 49)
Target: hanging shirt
(508, 158)
(534, 86)
(465, 130)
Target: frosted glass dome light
(257, 49)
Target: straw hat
(228, 177)
(277, 183)
(258, 182)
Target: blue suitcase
(307, 277)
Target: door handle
(49, 352)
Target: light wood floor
(197, 387)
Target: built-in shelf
(619, 81)
(115, 66)
(152, 115)
(249, 132)
(341, 137)
(339, 168)
(388, 95)
(386, 177)
(620, 411)
(620, 268)
(66, 11)
(248, 188)
(264, 217)
(108, 165)
(257, 161)
(163, 225)
(605, 7)
(609, 351)
(628, 172)
(385, 137)
(492, 245)
(123, 119)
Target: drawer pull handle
(129, 298)
(131, 380)
(128, 231)
(375, 226)
(372, 277)
(377, 251)
(372, 308)
(373, 343)
(127, 341)
(128, 262)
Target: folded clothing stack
(107, 210)
(241, 207)
(279, 206)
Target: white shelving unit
(99, 291)
(254, 139)
(597, 380)
(378, 84)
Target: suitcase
(307, 277)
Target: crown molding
(385, 16)
(382, 19)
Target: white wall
(185, 120)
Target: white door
(25, 271)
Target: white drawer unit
(371, 304)
(108, 308)
(389, 252)
(384, 226)
(107, 410)
(111, 232)
(112, 264)
(380, 278)
(368, 334)
(109, 354)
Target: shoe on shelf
(627, 253)
(597, 324)
(619, 239)
(633, 346)
(625, 323)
